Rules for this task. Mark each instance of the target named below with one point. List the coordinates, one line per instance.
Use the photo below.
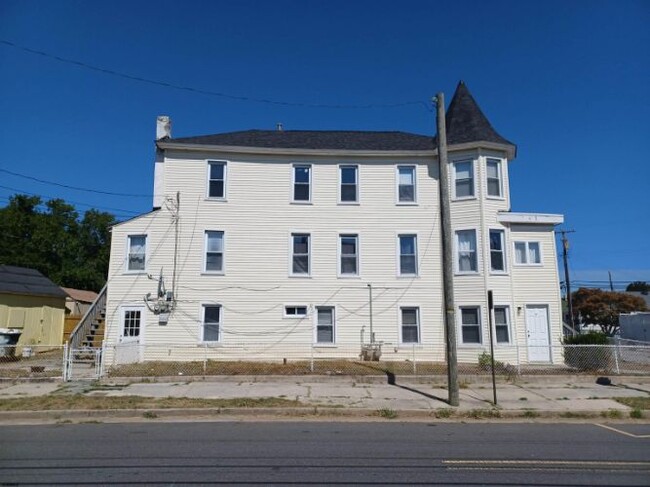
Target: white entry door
(537, 333)
(129, 349)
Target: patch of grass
(387, 413)
(523, 399)
(149, 415)
(572, 415)
(463, 384)
(611, 413)
(484, 413)
(530, 414)
(444, 413)
(79, 401)
(636, 413)
(563, 398)
(635, 402)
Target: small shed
(78, 300)
(32, 304)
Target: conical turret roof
(466, 122)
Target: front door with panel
(537, 333)
(129, 347)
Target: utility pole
(611, 284)
(567, 281)
(447, 254)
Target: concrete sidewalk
(543, 396)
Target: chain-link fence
(167, 360)
(32, 362)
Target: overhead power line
(191, 89)
(76, 188)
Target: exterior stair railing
(83, 329)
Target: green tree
(72, 252)
(638, 286)
(602, 308)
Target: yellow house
(32, 304)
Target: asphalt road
(310, 453)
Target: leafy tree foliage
(52, 238)
(598, 307)
(638, 286)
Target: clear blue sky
(566, 81)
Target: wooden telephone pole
(567, 281)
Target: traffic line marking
(590, 463)
(631, 435)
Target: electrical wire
(76, 188)
(200, 91)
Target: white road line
(631, 435)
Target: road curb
(313, 412)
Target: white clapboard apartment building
(297, 244)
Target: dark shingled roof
(21, 280)
(316, 139)
(465, 123)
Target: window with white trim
(300, 243)
(467, 258)
(470, 323)
(137, 253)
(211, 326)
(464, 179)
(302, 183)
(213, 251)
(497, 251)
(217, 179)
(349, 178)
(295, 311)
(502, 323)
(494, 179)
(527, 253)
(406, 188)
(325, 324)
(131, 322)
(410, 324)
(349, 255)
(408, 255)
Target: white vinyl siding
(301, 183)
(406, 184)
(137, 253)
(217, 179)
(214, 250)
(466, 252)
(211, 324)
(463, 175)
(349, 184)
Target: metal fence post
(518, 360)
(65, 362)
(415, 367)
(101, 359)
(616, 343)
(205, 359)
(311, 360)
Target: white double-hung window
(410, 326)
(325, 323)
(467, 258)
(527, 253)
(217, 179)
(211, 323)
(502, 324)
(349, 178)
(470, 324)
(137, 253)
(494, 179)
(408, 255)
(213, 251)
(497, 251)
(301, 183)
(300, 246)
(406, 184)
(463, 179)
(349, 255)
